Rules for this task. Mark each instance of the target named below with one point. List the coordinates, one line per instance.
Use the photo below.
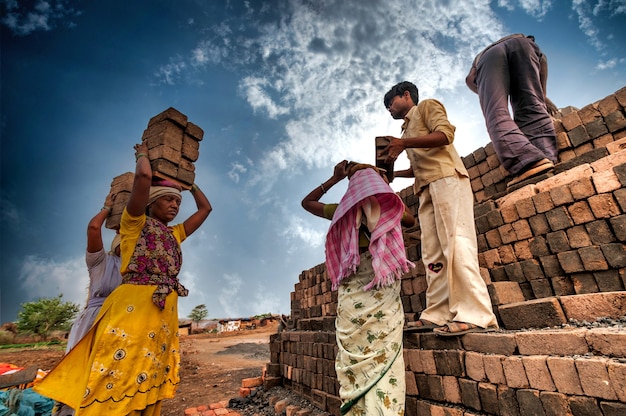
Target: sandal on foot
(421, 325)
(537, 168)
(455, 329)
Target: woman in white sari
(365, 259)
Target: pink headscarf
(367, 193)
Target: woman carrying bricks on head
(129, 360)
(104, 277)
(365, 259)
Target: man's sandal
(421, 325)
(455, 329)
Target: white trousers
(456, 290)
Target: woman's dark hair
(399, 89)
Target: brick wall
(551, 250)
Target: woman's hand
(341, 170)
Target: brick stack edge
(549, 251)
(173, 147)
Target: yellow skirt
(127, 361)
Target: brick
(522, 230)
(539, 224)
(531, 269)
(564, 375)
(522, 250)
(493, 368)
(577, 237)
(584, 406)
(552, 342)
(610, 342)
(571, 121)
(474, 366)
(507, 233)
(502, 293)
(525, 208)
(494, 219)
(608, 281)
(596, 128)
(592, 258)
(538, 313)
(620, 197)
(613, 409)
(554, 404)
(558, 242)
(559, 218)
(411, 385)
(584, 283)
(506, 254)
(514, 272)
(537, 373)
(561, 195)
(428, 362)
(618, 225)
(580, 212)
(551, 266)
(605, 181)
(488, 398)
(562, 286)
(493, 238)
(514, 372)
(608, 162)
(578, 136)
(576, 171)
(252, 382)
(570, 261)
(529, 402)
(539, 246)
(509, 213)
(451, 390)
(594, 377)
(543, 202)
(604, 206)
(507, 401)
(541, 288)
(582, 188)
(469, 394)
(614, 254)
(435, 387)
(590, 307)
(617, 377)
(600, 232)
(490, 343)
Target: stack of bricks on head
(173, 147)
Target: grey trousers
(510, 69)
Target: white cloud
(44, 278)
(229, 295)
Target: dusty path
(212, 366)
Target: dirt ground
(212, 366)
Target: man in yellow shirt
(457, 300)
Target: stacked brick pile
(173, 147)
(121, 186)
(551, 250)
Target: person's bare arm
(204, 209)
(311, 201)
(408, 219)
(397, 146)
(141, 183)
(94, 228)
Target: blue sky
(283, 91)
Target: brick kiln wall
(551, 251)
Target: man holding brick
(457, 301)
